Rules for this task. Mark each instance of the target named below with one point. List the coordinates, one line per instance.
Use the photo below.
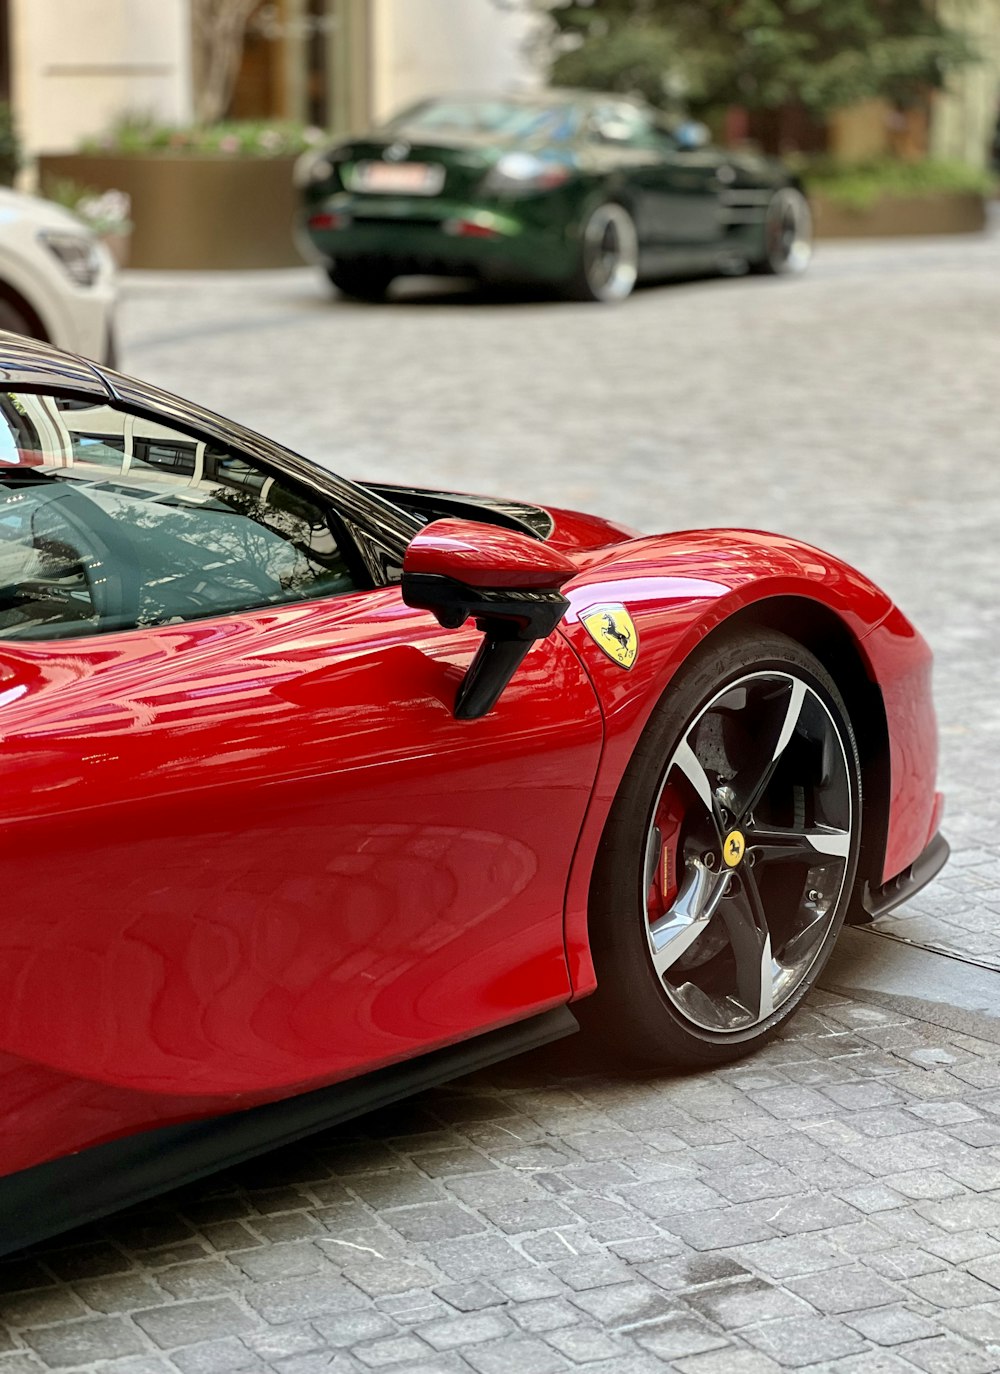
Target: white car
(57, 281)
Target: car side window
(111, 521)
(619, 122)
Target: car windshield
(506, 118)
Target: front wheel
(359, 281)
(609, 256)
(729, 857)
(788, 234)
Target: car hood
(14, 205)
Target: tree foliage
(761, 54)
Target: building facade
(74, 66)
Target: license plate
(398, 178)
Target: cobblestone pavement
(832, 1204)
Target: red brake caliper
(666, 875)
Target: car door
(245, 846)
(676, 190)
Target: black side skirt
(52, 1197)
(880, 901)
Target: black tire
(686, 1014)
(788, 235)
(607, 267)
(360, 281)
(15, 321)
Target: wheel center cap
(733, 848)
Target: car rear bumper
(926, 866)
(438, 238)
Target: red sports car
(319, 792)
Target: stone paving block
(40, 1307)
(289, 1261)
(450, 1333)
(229, 1356)
(88, 1261)
(728, 1361)
(581, 1274)
(319, 1362)
(544, 1314)
(978, 1324)
(891, 1325)
(435, 1221)
(951, 1288)
(186, 1323)
(801, 1341)
(516, 1218)
(21, 1363)
(624, 1305)
(965, 1213)
(586, 1344)
(846, 1290)
(80, 1342)
(525, 1354)
(670, 1197)
(464, 1258)
(288, 1300)
(734, 1305)
(393, 1350)
(903, 1262)
(679, 1336)
(815, 1212)
(790, 1256)
(288, 1338)
(527, 1284)
(949, 1355)
(123, 1292)
(470, 1297)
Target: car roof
(30, 363)
(548, 95)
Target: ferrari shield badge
(613, 629)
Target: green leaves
(823, 54)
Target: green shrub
(235, 138)
(858, 185)
(11, 159)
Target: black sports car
(584, 192)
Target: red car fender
(678, 588)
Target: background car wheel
(729, 857)
(360, 282)
(14, 320)
(609, 256)
(788, 234)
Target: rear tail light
(329, 220)
(469, 229)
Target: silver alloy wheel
(748, 851)
(788, 231)
(610, 253)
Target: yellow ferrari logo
(733, 848)
(612, 628)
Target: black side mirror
(507, 582)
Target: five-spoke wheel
(788, 234)
(609, 255)
(741, 815)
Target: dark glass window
(142, 526)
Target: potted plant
(889, 196)
(206, 196)
(107, 214)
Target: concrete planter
(944, 212)
(195, 212)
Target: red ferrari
(320, 792)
